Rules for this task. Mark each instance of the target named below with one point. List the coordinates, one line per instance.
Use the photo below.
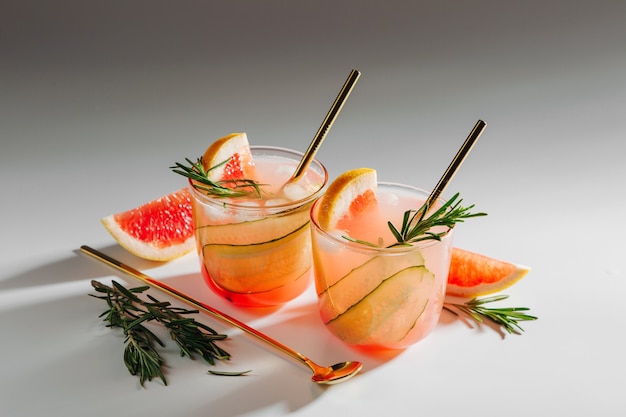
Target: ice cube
(218, 213)
(250, 203)
(334, 246)
(275, 202)
(388, 199)
(285, 171)
(294, 192)
(338, 234)
(240, 214)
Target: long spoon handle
(456, 162)
(186, 298)
(326, 124)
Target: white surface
(98, 99)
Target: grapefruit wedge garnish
(159, 230)
(473, 275)
(229, 158)
(349, 194)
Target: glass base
(271, 298)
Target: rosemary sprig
(224, 188)
(417, 227)
(508, 318)
(129, 312)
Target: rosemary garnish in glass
(129, 312)
(416, 227)
(196, 172)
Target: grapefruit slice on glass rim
(229, 158)
(349, 194)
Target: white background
(98, 99)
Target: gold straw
(456, 162)
(326, 124)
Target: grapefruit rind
(474, 275)
(342, 192)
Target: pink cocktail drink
(380, 295)
(256, 250)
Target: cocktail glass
(257, 251)
(381, 297)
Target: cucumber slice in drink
(260, 231)
(259, 267)
(362, 280)
(389, 312)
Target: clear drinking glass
(257, 252)
(381, 297)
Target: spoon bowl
(336, 373)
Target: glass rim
(294, 204)
(362, 248)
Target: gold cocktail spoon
(321, 374)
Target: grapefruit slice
(159, 230)
(473, 275)
(229, 158)
(349, 194)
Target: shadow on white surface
(90, 353)
(70, 269)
